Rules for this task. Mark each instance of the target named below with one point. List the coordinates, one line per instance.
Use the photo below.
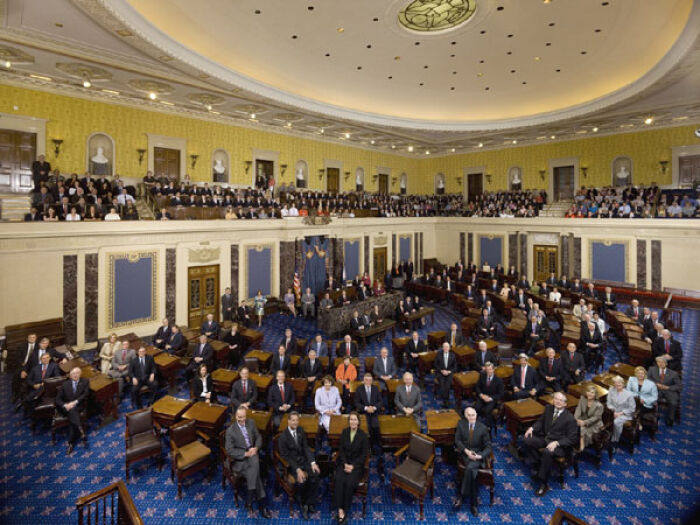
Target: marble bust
(99, 157)
(219, 167)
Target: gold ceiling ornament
(80, 70)
(250, 109)
(200, 255)
(14, 55)
(151, 86)
(324, 124)
(206, 99)
(436, 15)
(288, 117)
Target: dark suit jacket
(297, 453)
(640, 314)
(242, 311)
(251, 395)
(564, 429)
(285, 365)
(439, 362)
(176, 340)
(34, 376)
(361, 402)
(34, 356)
(142, 372)
(311, 371)
(586, 338)
(528, 330)
(485, 326)
(496, 389)
(658, 348)
(524, 284)
(212, 328)
(587, 292)
(576, 287)
(198, 386)
(570, 366)
(459, 339)
(603, 297)
(291, 348)
(207, 353)
(341, 350)
(480, 300)
(353, 452)
(320, 352)
(163, 333)
(231, 340)
(414, 348)
(530, 378)
(65, 393)
(479, 362)
(356, 323)
(480, 443)
(274, 397)
(544, 369)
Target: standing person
(368, 401)
(69, 401)
(350, 465)
(228, 305)
(668, 384)
(408, 398)
(445, 365)
(473, 443)
(259, 306)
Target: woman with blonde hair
(644, 389)
(107, 352)
(589, 416)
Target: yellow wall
(73, 119)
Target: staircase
(14, 206)
(556, 209)
(144, 210)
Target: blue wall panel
(132, 288)
(351, 259)
(608, 262)
(491, 250)
(404, 248)
(259, 271)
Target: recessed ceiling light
(416, 43)
(552, 137)
(480, 74)
(524, 82)
(480, 145)
(510, 35)
(427, 152)
(397, 57)
(481, 61)
(393, 146)
(482, 32)
(500, 8)
(310, 8)
(454, 72)
(648, 120)
(328, 54)
(294, 37)
(390, 77)
(323, 131)
(8, 64)
(359, 67)
(509, 53)
(257, 11)
(551, 24)
(58, 24)
(595, 129)
(166, 103)
(347, 135)
(547, 44)
(289, 124)
(452, 150)
(512, 70)
(152, 95)
(252, 116)
(452, 55)
(453, 43)
(515, 141)
(558, 70)
(537, 59)
(340, 29)
(41, 77)
(583, 52)
(86, 83)
(452, 88)
(421, 84)
(410, 149)
(486, 88)
(598, 30)
(209, 107)
(371, 141)
(425, 67)
(375, 19)
(369, 46)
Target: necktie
(522, 377)
(488, 381)
(384, 363)
(347, 349)
(667, 347)
(446, 355)
(282, 391)
(244, 431)
(75, 386)
(556, 415)
(453, 339)
(471, 433)
(534, 328)
(142, 362)
(663, 374)
(294, 435)
(245, 389)
(123, 355)
(408, 390)
(368, 390)
(43, 371)
(550, 366)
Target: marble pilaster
(656, 265)
(70, 299)
(91, 305)
(234, 272)
(641, 264)
(577, 258)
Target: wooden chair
(227, 473)
(630, 430)
(188, 454)
(252, 363)
(601, 440)
(650, 420)
(562, 463)
(415, 473)
(45, 405)
(142, 439)
(284, 479)
(484, 476)
(60, 421)
(362, 487)
(561, 517)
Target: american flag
(297, 285)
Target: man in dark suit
(482, 356)
(31, 353)
(40, 172)
(414, 347)
(589, 291)
(576, 286)
(203, 353)
(36, 377)
(550, 371)
(69, 401)
(142, 371)
(532, 335)
(330, 284)
(210, 327)
(301, 464)
(445, 365)
(555, 432)
(651, 326)
(473, 443)
(486, 326)
(636, 312)
(668, 383)
(573, 366)
(289, 342)
(162, 335)
(319, 345)
(244, 392)
(347, 347)
(524, 379)
(357, 323)
(175, 340)
(454, 336)
(521, 300)
(591, 343)
(281, 361)
(552, 280)
(489, 391)
(311, 368)
(523, 283)
(564, 283)
(280, 398)
(609, 300)
(481, 299)
(368, 401)
(228, 305)
(384, 368)
(671, 349)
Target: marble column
(234, 272)
(338, 257)
(577, 258)
(170, 280)
(422, 254)
(416, 247)
(394, 249)
(462, 246)
(641, 264)
(367, 253)
(470, 247)
(286, 266)
(70, 299)
(512, 251)
(91, 306)
(656, 265)
(523, 254)
(564, 243)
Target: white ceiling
(644, 62)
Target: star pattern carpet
(659, 484)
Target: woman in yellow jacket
(345, 374)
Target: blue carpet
(657, 485)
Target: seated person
(482, 356)
(203, 353)
(289, 342)
(111, 347)
(554, 433)
(319, 345)
(142, 371)
(485, 327)
(70, 400)
(308, 304)
(573, 366)
(454, 336)
(244, 392)
(162, 334)
(555, 295)
(203, 386)
(235, 343)
(343, 300)
(668, 347)
(345, 374)
(210, 328)
(621, 402)
(327, 403)
(668, 384)
(280, 398)
(489, 391)
(37, 375)
(644, 389)
(281, 361)
(326, 302)
(243, 315)
(375, 317)
(175, 341)
(408, 398)
(311, 368)
(589, 416)
(347, 348)
(524, 379)
(533, 334)
(290, 302)
(550, 371)
(473, 444)
(384, 368)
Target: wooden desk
(339, 361)
(168, 365)
(423, 312)
(70, 365)
(338, 424)
(395, 431)
(442, 425)
(168, 410)
(190, 334)
(505, 372)
(435, 339)
(263, 420)
(264, 358)
(425, 364)
(223, 380)
(520, 413)
(465, 355)
(579, 389)
(106, 393)
(153, 351)
(309, 422)
(391, 386)
(378, 328)
(571, 401)
(210, 418)
(464, 383)
(262, 382)
(221, 351)
(639, 351)
(605, 380)
(398, 347)
(252, 337)
(622, 369)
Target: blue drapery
(315, 252)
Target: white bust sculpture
(403, 183)
(358, 179)
(219, 166)
(99, 157)
(516, 177)
(622, 173)
(441, 183)
(300, 173)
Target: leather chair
(363, 485)
(45, 404)
(562, 463)
(505, 354)
(252, 364)
(227, 473)
(188, 454)
(142, 438)
(484, 475)
(630, 430)
(415, 473)
(650, 420)
(601, 440)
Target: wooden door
(17, 152)
(166, 163)
(563, 183)
(383, 183)
(475, 185)
(264, 172)
(546, 261)
(379, 263)
(203, 294)
(689, 171)
(333, 180)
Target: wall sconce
(57, 146)
(141, 153)
(194, 158)
(375, 177)
(347, 175)
(542, 172)
(664, 165)
(459, 180)
(393, 180)
(283, 169)
(247, 164)
(488, 178)
(321, 171)
(584, 170)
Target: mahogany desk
(264, 358)
(309, 422)
(571, 401)
(338, 424)
(522, 412)
(442, 425)
(223, 380)
(210, 418)
(168, 410)
(579, 389)
(463, 384)
(395, 431)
